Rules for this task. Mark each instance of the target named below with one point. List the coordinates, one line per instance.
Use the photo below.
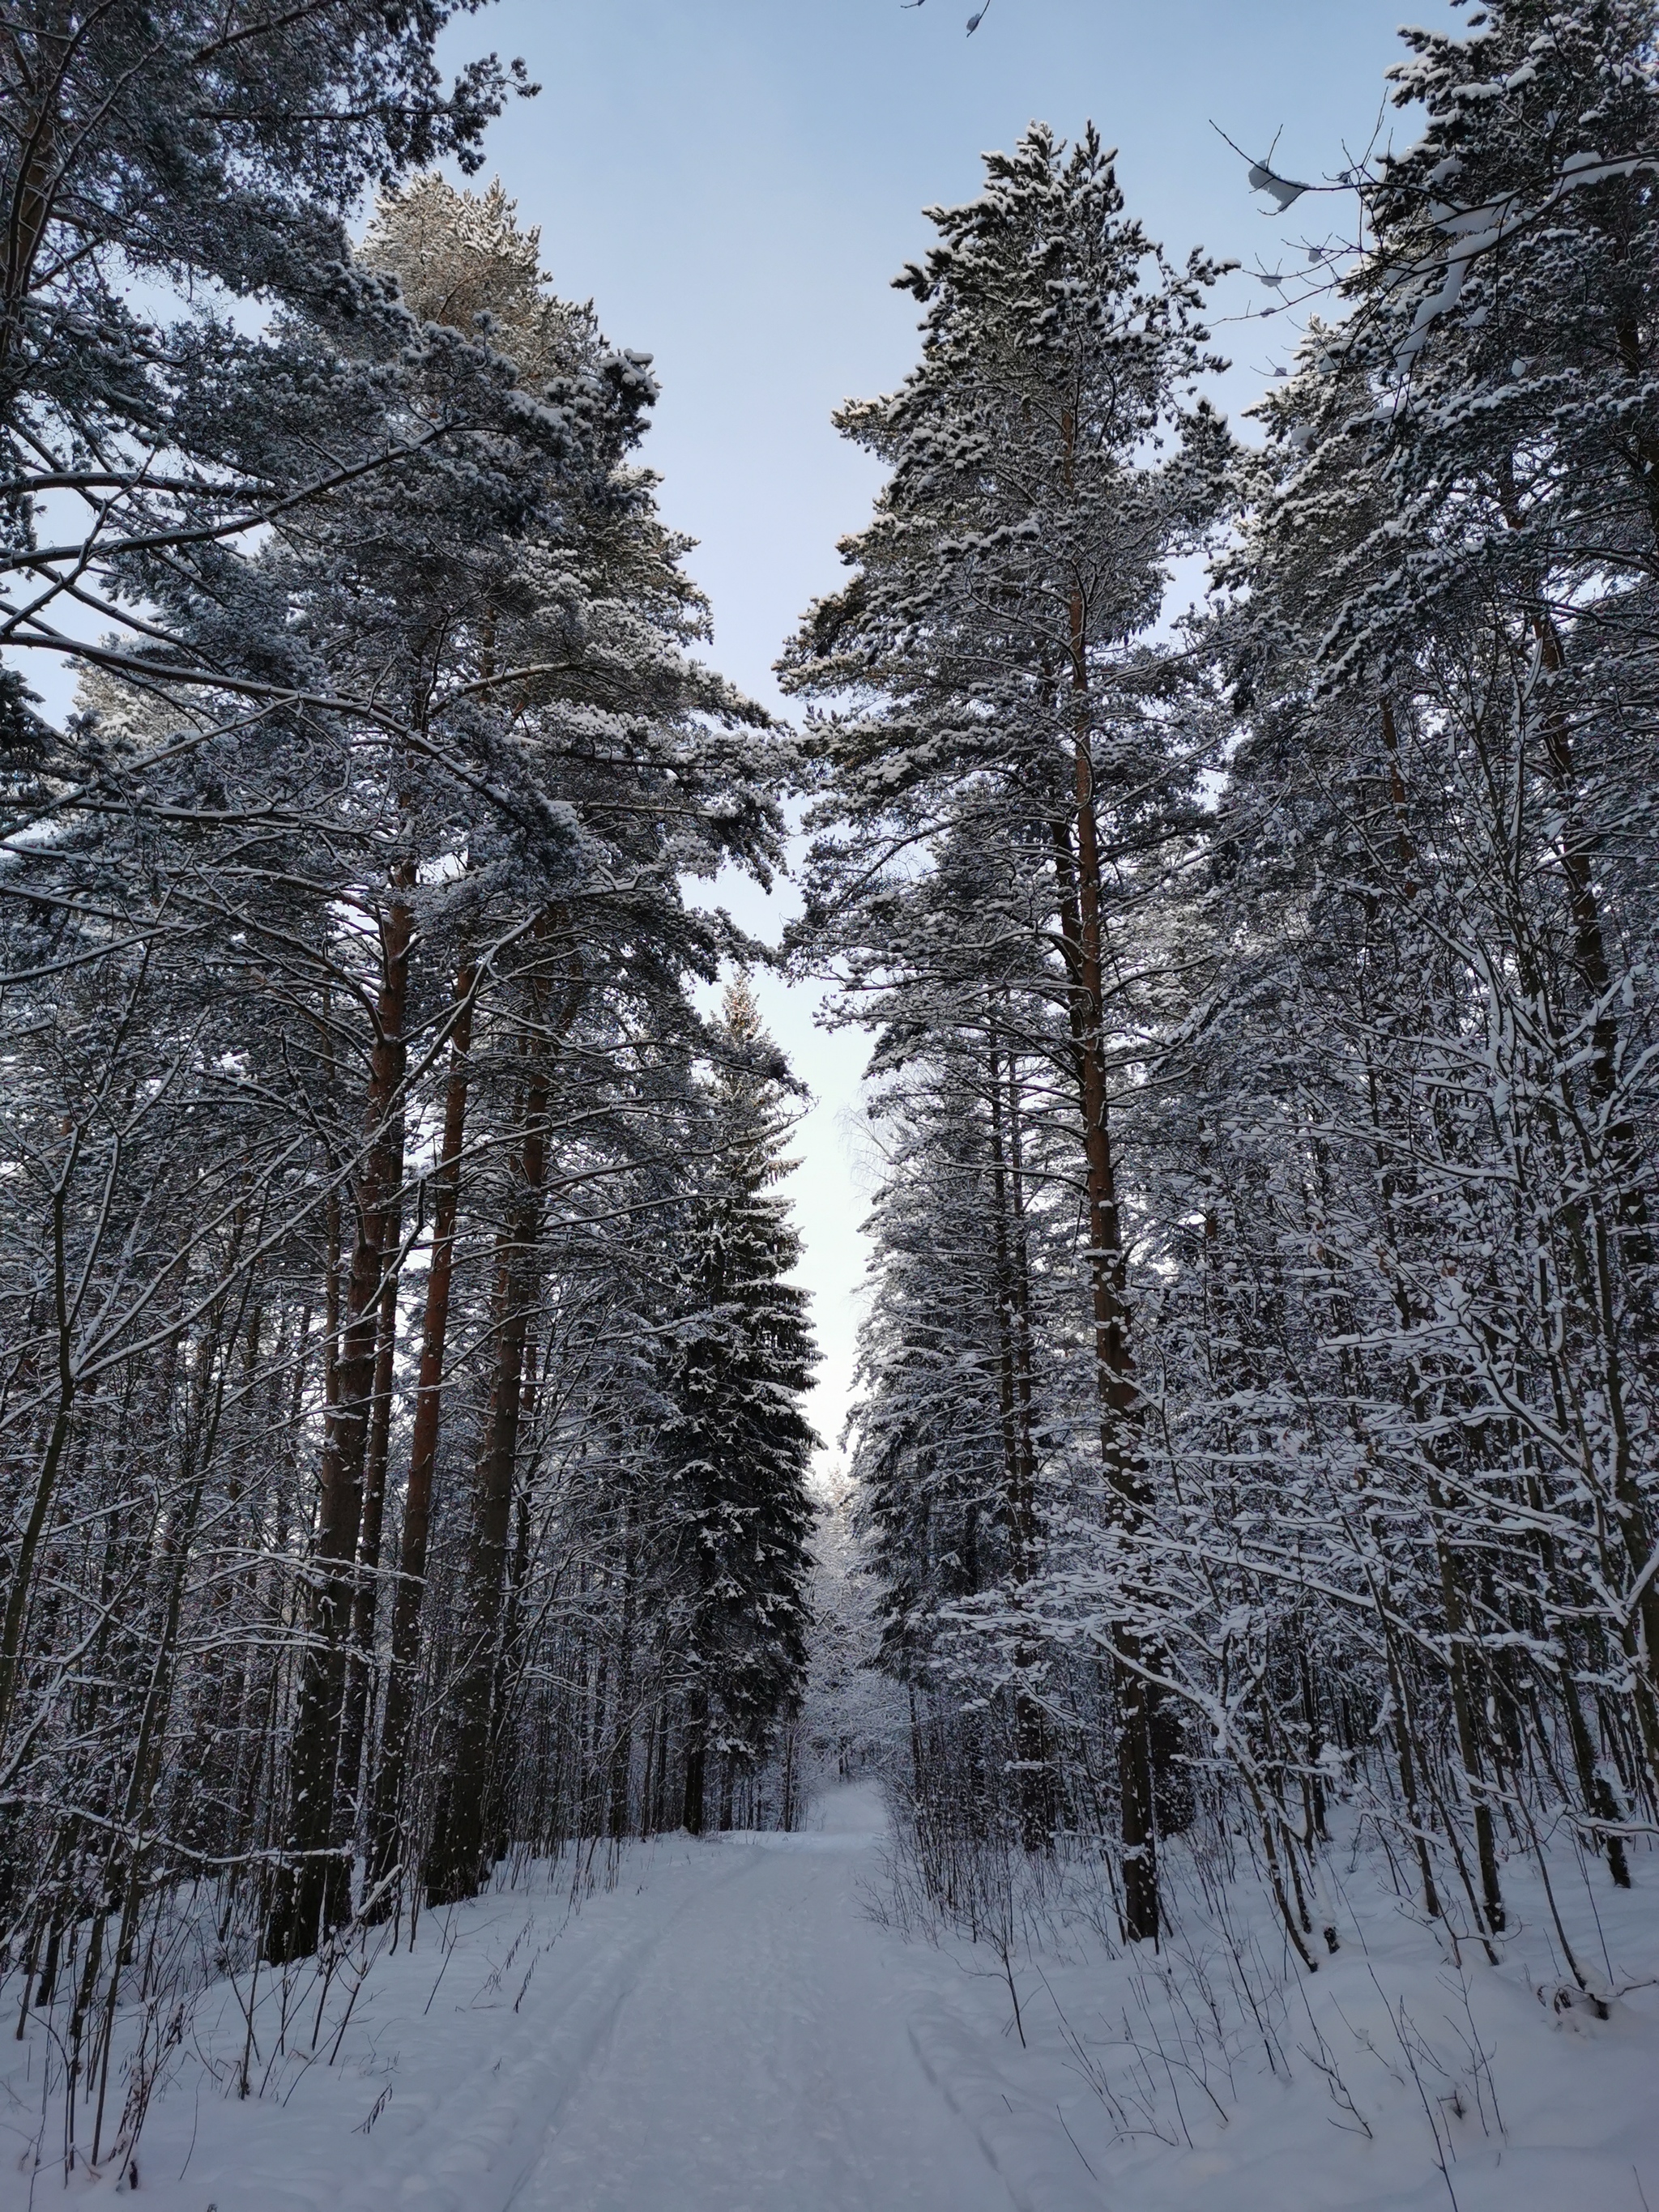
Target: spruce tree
(739, 1444)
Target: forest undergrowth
(1211, 2068)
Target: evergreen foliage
(369, 1164)
(737, 1445)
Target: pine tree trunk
(455, 1865)
(366, 1603)
(1033, 1760)
(622, 1726)
(455, 1857)
(408, 1598)
(695, 1754)
(312, 1895)
(1079, 893)
(500, 1704)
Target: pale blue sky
(735, 183)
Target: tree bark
(1034, 1767)
(1079, 890)
(697, 1755)
(365, 1608)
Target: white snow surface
(731, 2025)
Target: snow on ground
(730, 2025)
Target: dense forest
(403, 1368)
(1258, 1395)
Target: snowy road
(754, 2055)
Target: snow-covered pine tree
(1046, 464)
(321, 923)
(636, 766)
(954, 1457)
(213, 151)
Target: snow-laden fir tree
(739, 1444)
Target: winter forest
(1231, 844)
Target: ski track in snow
(759, 2058)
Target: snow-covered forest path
(724, 2030)
(752, 2053)
(722, 2026)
